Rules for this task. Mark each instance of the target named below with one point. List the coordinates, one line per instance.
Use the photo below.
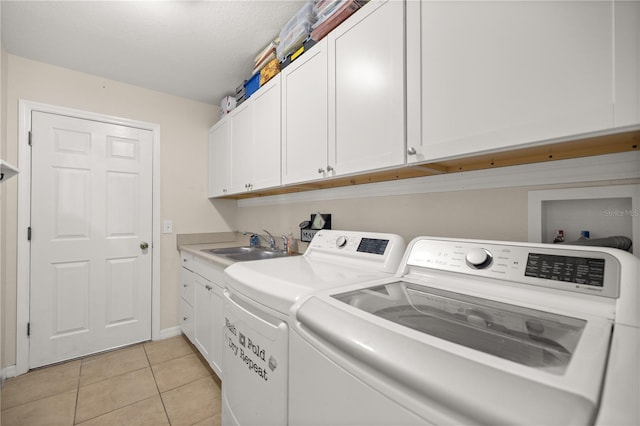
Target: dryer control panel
(583, 270)
(379, 250)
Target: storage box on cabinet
(488, 76)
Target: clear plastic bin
(296, 30)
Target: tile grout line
(75, 407)
(146, 354)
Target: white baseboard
(8, 372)
(170, 332)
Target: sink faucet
(285, 243)
(270, 239)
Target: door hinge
(28, 329)
(30, 138)
(29, 234)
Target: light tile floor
(153, 383)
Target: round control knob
(341, 241)
(478, 258)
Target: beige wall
(492, 214)
(485, 214)
(183, 134)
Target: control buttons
(341, 241)
(478, 258)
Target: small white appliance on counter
(474, 332)
(256, 308)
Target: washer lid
(526, 336)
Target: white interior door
(91, 217)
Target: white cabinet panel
(496, 75)
(266, 143)
(366, 90)
(241, 123)
(218, 325)
(304, 116)
(186, 323)
(203, 317)
(201, 307)
(255, 140)
(219, 158)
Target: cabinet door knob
(412, 151)
(208, 287)
(321, 170)
(185, 318)
(329, 169)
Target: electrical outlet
(167, 227)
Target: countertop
(195, 243)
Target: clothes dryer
(256, 308)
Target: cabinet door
(217, 328)
(219, 158)
(186, 321)
(266, 155)
(495, 75)
(366, 89)
(304, 116)
(203, 317)
(241, 122)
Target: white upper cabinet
(255, 140)
(219, 159)
(343, 100)
(366, 90)
(484, 75)
(241, 125)
(305, 116)
(267, 135)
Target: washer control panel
(581, 270)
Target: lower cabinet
(201, 307)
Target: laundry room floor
(153, 383)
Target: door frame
(25, 108)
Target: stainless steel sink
(231, 250)
(240, 254)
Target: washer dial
(341, 241)
(478, 258)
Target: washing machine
(256, 309)
(474, 332)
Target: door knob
(144, 245)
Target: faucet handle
(285, 243)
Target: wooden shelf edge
(587, 147)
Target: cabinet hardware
(412, 151)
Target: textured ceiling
(200, 50)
